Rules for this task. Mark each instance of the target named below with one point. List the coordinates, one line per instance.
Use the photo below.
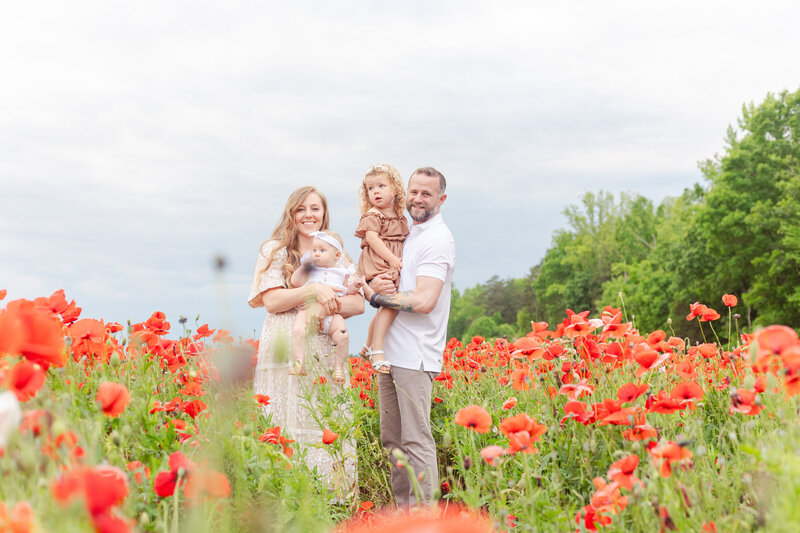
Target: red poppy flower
(20, 519)
(577, 390)
(687, 391)
(113, 398)
(607, 498)
(696, 309)
(3, 293)
(328, 436)
(630, 391)
(165, 482)
(521, 380)
(273, 436)
(730, 300)
(33, 332)
(647, 358)
(745, 402)
(25, 379)
(262, 399)
(139, 470)
(665, 404)
(709, 315)
(194, 408)
(203, 332)
(510, 403)
(475, 418)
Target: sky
(139, 141)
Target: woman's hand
(325, 297)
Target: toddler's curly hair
(399, 203)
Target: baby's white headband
(321, 235)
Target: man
(415, 342)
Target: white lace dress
(300, 404)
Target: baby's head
(325, 249)
(387, 179)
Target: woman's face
(309, 214)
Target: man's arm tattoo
(399, 301)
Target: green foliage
(738, 234)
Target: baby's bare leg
(341, 338)
(298, 344)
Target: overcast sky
(140, 139)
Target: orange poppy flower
(730, 300)
(21, 518)
(510, 403)
(622, 471)
(775, 339)
(328, 436)
(520, 422)
(745, 402)
(666, 454)
(113, 398)
(262, 399)
(475, 418)
(490, 453)
(204, 484)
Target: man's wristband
(372, 301)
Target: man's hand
(382, 284)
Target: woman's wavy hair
(285, 233)
(399, 203)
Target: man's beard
(424, 217)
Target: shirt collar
(433, 221)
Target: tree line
(738, 232)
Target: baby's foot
(338, 375)
(297, 369)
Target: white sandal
(381, 366)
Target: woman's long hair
(285, 233)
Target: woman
(293, 399)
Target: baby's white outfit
(332, 277)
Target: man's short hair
(433, 173)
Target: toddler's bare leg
(364, 352)
(383, 319)
(341, 338)
(298, 344)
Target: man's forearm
(402, 301)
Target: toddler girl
(382, 229)
(321, 268)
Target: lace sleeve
(267, 279)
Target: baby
(321, 268)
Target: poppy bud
(144, 518)
(115, 438)
(115, 360)
(467, 462)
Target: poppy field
(583, 425)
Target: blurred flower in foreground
(451, 519)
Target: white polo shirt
(417, 339)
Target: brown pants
(405, 410)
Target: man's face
(423, 198)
